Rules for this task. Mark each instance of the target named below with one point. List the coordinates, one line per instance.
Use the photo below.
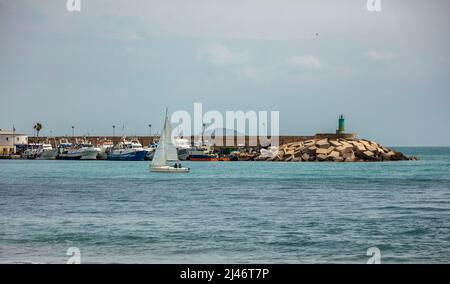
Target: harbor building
(9, 140)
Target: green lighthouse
(341, 125)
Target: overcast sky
(121, 62)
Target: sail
(165, 151)
(160, 157)
(172, 154)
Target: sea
(227, 212)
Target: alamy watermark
(373, 5)
(74, 254)
(215, 129)
(73, 5)
(375, 255)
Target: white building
(9, 140)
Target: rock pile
(338, 150)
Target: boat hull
(69, 157)
(89, 154)
(128, 156)
(169, 169)
(48, 155)
(203, 159)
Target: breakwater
(334, 150)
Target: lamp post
(114, 130)
(203, 134)
(150, 134)
(13, 138)
(73, 133)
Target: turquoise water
(227, 212)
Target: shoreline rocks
(335, 150)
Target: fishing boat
(47, 152)
(151, 151)
(41, 151)
(203, 153)
(104, 147)
(166, 157)
(204, 157)
(127, 151)
(84, 151)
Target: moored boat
(47, 152)
(127, 151)
(85, 151)
(41, 151)
(104, 147)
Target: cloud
(307, 62)
(381, 55)
(221, 55)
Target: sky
(122, 62)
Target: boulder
(338, 159)
(345, 143)
(289, 152)
(333, 155)
(323, 144)
(280, 154)
(305, 157)
(386, 156)
(359, 148)
(327, 151)
(335, 143)
(348, 155)
(367, 155)
(385, 149)
(311, 150)
(350, 159)
(344, 149)
(371, 148)
(289, 158)
(399, 157)
(322, 157)
(298, 151)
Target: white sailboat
(166, 153)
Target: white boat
(89, 152)
(151, 151)
(84, 151)
(104, 147)
(41, 151)
(166, 153)
(47, 152)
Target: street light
(150, 129)
(114, 130)
(203, 134)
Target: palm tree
(37, 128)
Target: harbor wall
(227, 141)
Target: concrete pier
(227, 141)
